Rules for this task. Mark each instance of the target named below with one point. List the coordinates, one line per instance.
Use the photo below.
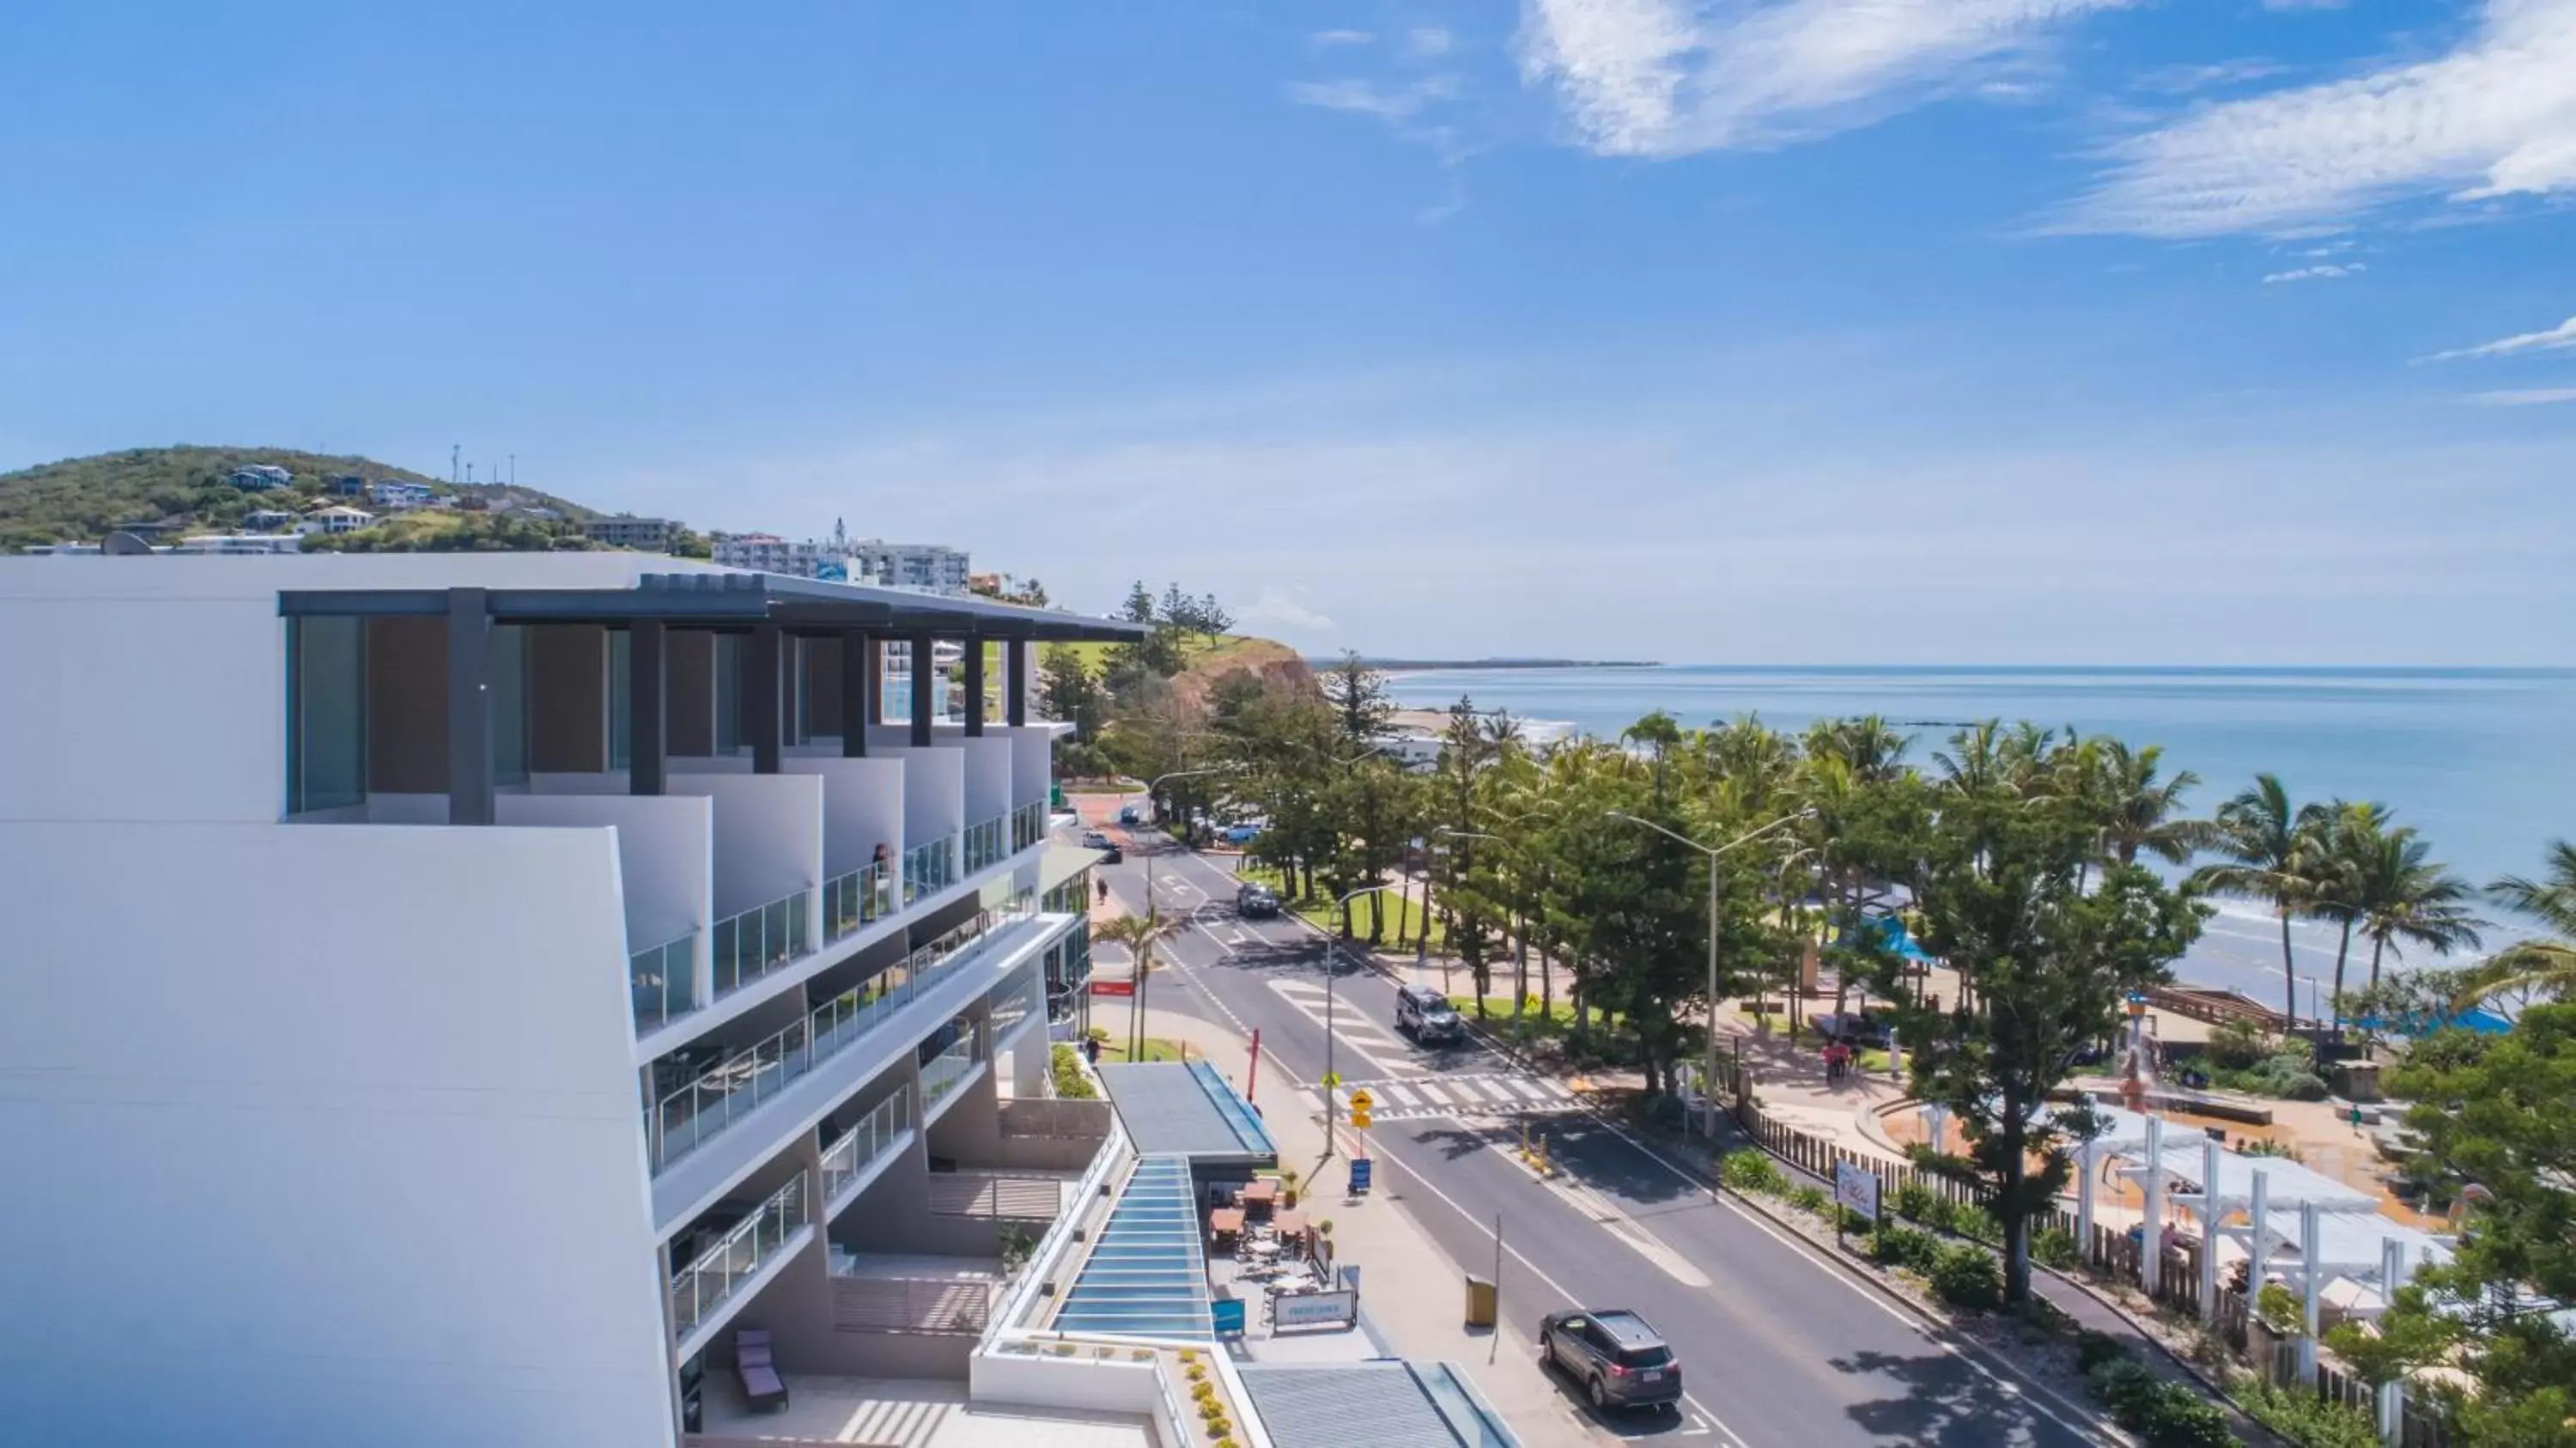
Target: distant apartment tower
(930, 567)
(393, 496)
(647, 535)
(769, 553)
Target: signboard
(1362, 1169)
(1103, 985)
(1227, 1313)
(1856, 1187)
(1315, 1309)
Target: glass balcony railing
(724, 1093)
(759, 940)
(861, 1146)
(929, 869)
(1028, 826)
(698, 1289)
(861, 897)
(662, 980)
(984, 843)
(1017, 1001)
(941, 1073)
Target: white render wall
(769, 834)
(665, 853)
(1032, 761)
(988, 776)
(862, 807)
(326, 1134)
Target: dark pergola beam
(858, 694)
(974, 688)
(760, 708)
(648, 736)
(925, 646)
(469, 708)
(1015, 683)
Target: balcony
(863, 896)
(724, 1093)
(929, 869)
(759, 940)
(985, 843)
(1016, 1002)
(1028, 826)
(849, 1162)
(946, 1071)
(709, 1281)
(659, 979)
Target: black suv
(1255, 901)
(1096, 840)
(1620, 1360)
(1426, 1015)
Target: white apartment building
(394, 496)
(635, 974)
(769, 553)
(917, 567)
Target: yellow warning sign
(1361, 1100)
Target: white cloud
(1428, 41)
(2326, 273)
(2496, 116)
(2561, 336)
(1277, 608)
(1667, 78)
(2523, 397)
(2305, 4)
(2189, 79)
(1342, 37)
(1396, 103)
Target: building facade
(647, 535)
(917, 567)
(639, 970)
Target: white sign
(1856, 1187)
(1306, 1309)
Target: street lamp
(1136, 1010)
(1331, 1077)
(1708, 1080)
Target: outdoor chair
(761, 1385)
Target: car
(1241, 832)
(1131, 814)
(1095, 840)
(1426, 1015)
(1615, 1356)
(1255, 901)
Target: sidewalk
(1412, 1298)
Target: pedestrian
(1091, 1049)
(1103, 884)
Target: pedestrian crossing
(1415, 1098)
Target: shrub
(2164, 1415)
(1917, 1202)
(1065, 1066)
(1202, 1390)
(1966, 1277)
(2305, 1418)
(2124, 1385)
(2237, 1046)
(2281, 1309)
(2092, 1349)
(2055, 1247)
(1749, 1171)
(1905, 1247)
(1811, 1200)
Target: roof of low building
(1187, 1109)
(1372, 1405)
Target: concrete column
(1015, 681)
(647, 731)
(2151, 1257)
(974, 687)
(469, 707)
(2311, 1289)
(872, 679)
(2391, 1397)
(858, 699)
(760, 673)
(2259, 1210)
(923, 648)
(2088, 1162)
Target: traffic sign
(1332, 1079)
(1361, 1170)
(1361, 1100)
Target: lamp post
(1708, 1078)
(1332, 1077)
(1136, 1006)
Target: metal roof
(721, 598)
(1372, 1405)
(1186, 1109)
(1146, 1277)
(1061, 862)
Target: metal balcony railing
(984, 843)
(1028, 825)
(698, 1289)
(860, 897)
(942, 1072)
(759, 940)
(724, 1093)
(863, 1144)
(662, 981)
(929, 869)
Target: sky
(1839, 331)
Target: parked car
(1131, 814)
(1095, 840)
(1426, 1015)
(1255, 901)
(1241, 832)
(1618, 1359)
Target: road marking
(1620, 1225)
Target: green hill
(80, 500)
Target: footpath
(1412, 1298)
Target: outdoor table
(1290, 1224)
(1261, 1193)
(1225, 1222)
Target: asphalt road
(1779, 1348)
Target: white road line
(1397, 1094)
(1437, 1095)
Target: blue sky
(1775, 330)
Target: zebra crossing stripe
(1436, 1095)
(1396, 1095)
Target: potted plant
(1288, 1187)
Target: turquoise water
(2482, 762)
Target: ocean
(2481, 761)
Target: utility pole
(455, 463)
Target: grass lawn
(1557, 1021)
(1157, 1048)
(1400, 916)
(1871, 1058)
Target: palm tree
(2271, 849)
(1138, 933)
(2547, 965)
(2401, 895)
(2140, 813)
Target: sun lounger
(761, 1385)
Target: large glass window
(326, 713)
(728, 693)
(621, 694)
(509, 704)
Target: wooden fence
(2107, 1251)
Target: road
(1780, 1349)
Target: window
(621, 694)
(326, 713)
